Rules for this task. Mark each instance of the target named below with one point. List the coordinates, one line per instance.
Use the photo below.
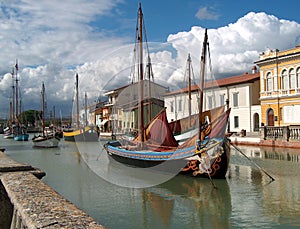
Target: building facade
(123, 104)
(280, 87)
(242, 93)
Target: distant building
(280, 87)
(123, 104)
(241, 91)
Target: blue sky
(171, 16)
(54, 39)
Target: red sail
(158, 132)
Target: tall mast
(85, 110)
(13, 97)
(77, 102)
(54, 118)
(189, 88)
(10, 115)
(17, 91)
(149, 67)
(43, 108)
(141, 77)
(203, 60)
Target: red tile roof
(223, 82)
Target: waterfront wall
(27, 202)
(274, 136)
(280, 136)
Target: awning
(103, 122)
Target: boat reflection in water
(184, 201)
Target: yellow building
(280, 87)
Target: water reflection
(275, 203)
(246, 199)
(282, 154)
(186, 201)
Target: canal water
(120, 198)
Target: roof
(223, 82)
(117, 90)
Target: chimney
(254, 69)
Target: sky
(53, 40)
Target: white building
(241, 91)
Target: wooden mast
(149, 67)
(77, 102)
(203, 60)
(189, 88)
(13, 97)
(54, 120)
(43, 108)
(141, 77)
(17, 93)
(85, 110)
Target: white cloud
(54, 39)
(207, 13)
(50, 36)
(235, 47)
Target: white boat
(49, 141)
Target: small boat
(20, 130)
(21, 137)
(8, 133)
(206, 154)
(46, 139)
(81, 134)
(86, 134)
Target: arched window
(285, 80)
(292, 78)
(298, 77)
(269, 82)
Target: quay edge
(257, 139)
(27, 202)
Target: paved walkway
(251, 138)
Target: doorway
(270, 117)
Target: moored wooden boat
(45, 140)
(80, 134)
(204, 154)
(86, 134)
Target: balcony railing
(287, 133)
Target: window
(236, 121)
(172, 106)
(269, 82)
(209, 102)
(298, 77)
(235, 99)
(285, 80)
(222, 100)
(292, 78)
(179, 105)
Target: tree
(31, 116)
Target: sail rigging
(156, 144)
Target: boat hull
(86, 135)
(217, 169)
(45, 142)
(184, 165)
(21, 137)
(8, 136)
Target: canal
(118, 197)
